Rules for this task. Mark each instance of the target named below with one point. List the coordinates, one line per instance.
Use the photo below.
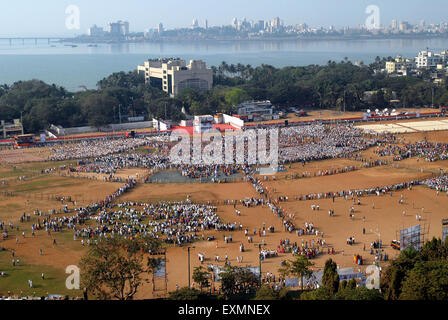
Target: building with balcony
(174, 75)
(427, 59)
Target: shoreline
(272, 39)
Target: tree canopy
(125, 94)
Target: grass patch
(42, 183)
(16, 280)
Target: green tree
(266, 293)
(99, 108)
(235, 96)
(330, 278)
(186, 294)
(236, 280)
(358, 293)
(428, 280)
(300, 268)
(201, 277)
(130, 80)
(113, 269)
(394, 275)
(322, 293)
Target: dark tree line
(331, 86)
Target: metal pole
(189, 281)
(259, 259)
(21, 121)
(432, 100)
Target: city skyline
(50, 19)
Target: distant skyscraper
(195, 23)
(95, 31)
(206, 24)
(404, 26)
(235, 23)
(276, 23)
(119, 28)
(160, 29)
(394, 24)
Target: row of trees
(330, 86)
(115, 269)
(418, 275)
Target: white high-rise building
(194, 24)
(276, 23)
(174, 75)
(427, 59)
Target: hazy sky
(48, 17)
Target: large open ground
(381, 217)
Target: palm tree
(232, 69)
(224, 67)
(300, 267)
(240, 69)
(214, 69)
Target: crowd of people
(319, 142)
(182, 222)
(213, 172)
(93, 148)
(439, 183)
(360, 192)
(309, 249)
(172, 222)
(428, 150)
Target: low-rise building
(203, 123)
(9, 130)
(161, 125)
(400, 66)
(249, 108)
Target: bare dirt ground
(12, 156)
(40, 193)
(382, 221)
